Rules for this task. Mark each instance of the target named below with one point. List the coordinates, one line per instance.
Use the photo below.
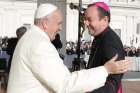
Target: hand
(117, 67)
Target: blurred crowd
(3, 43)
(85, 49)
(71, 47)
(132, 51)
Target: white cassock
(37, 68)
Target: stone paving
(131, 86)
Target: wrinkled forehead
(59, 15)
(56, 15)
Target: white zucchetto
(44, 10)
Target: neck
(40, 26)
(104, 27)
(102, 30)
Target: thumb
(114, 58)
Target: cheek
(95, 24)
(92, 25)
(86, 22)
(55, 29)
(58, 27)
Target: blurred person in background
(12, 42)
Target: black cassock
(104, 47)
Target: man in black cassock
(105, 45)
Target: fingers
(124, 63)
(116, 67)
(114, 58)
(122, 71)
(123, 66)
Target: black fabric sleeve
(110, 48)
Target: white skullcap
(44, 10)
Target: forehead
(92, 10)
(57, 15)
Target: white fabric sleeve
(48, 68)
(88, 80)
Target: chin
(92, 34)
(95, 33)
(51, 39)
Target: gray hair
(38, 21)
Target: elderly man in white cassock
(37, 67)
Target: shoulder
(112, 39)
(111, 36)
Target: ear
(106, 19)
(45, 24)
